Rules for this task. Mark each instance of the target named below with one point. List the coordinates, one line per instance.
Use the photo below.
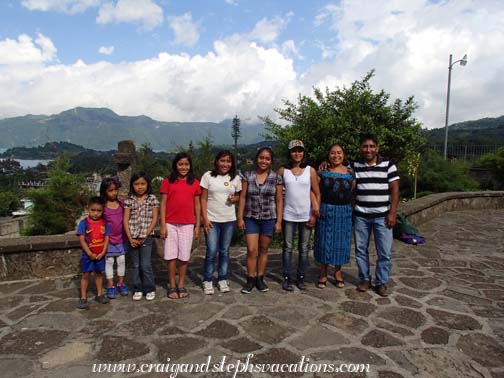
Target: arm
(279, 208)
(162, 214)
(241, 206)
(105, 247)
(85, 247)
(394, 202)
(155, 216)
(197, 211)
(207, 225)
(315, 189)
(126, 218)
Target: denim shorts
(89, 265)
(263, 227)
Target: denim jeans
(289, 231)
(143, 276)
(218, 240)
(383, 243)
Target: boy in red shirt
(93, 235)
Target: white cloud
(408, 43)
(66, 6)
(268, 30)
(106, 50)
(186, 31)
(25, 50)
(144, 12)
(234, 78)
(232, 2)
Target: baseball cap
(296, 143)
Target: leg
(226, 235)
(322, 282)
(362, 231)
(303, 247)
(84, 285)
(252, 252)
(264, 243)
(99, 283)
(146, 264)
(185, 238)
(212, 242)
(109, 271)
(135, 262)
(383, 242)
(182, 269)
(121, 269)
(338, 276)
(289, 229)
(172, 270)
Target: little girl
(141, 211)
(180, 220)
(116, 251)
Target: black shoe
(102, 299)
(83, 304)
(249, 286)
(287, 285)
(300, 283)
(260, 285)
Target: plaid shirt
(260, 203)
(140, 215)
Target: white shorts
(178, 242)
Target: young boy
(93, 236)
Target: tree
(9, 201)
(60, 204)
(236, 134)
(203, 158)
(340, 116)
(148, 163)
(495, 163)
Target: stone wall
(10, 227)
(59, 255)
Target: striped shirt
(373, 193)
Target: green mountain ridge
(102, 129)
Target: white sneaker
(223, 286)
(208, 287)
(150, 296)
(137, 295)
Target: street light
(462, 62)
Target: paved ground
(444, 318)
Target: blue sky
(203, 60)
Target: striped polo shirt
(373, 194)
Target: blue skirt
(333, 234)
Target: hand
(134, 243)
(100, 256)
(312, 221)
(241, 225)
(316, 213)
(196, 233)
(207, 225)
(391, 220)
(323, 166)
(278, 227)
(234, 198)
(92, 256)
(163, 232)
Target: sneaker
(123, 290)
(287, 285)
(249, 286)
(150, 296)
(101, 299)
(364, 286)
(111, 292)
(208, 287)
(300, 283)
(83, 305)
(137, 295)
(260, 285)
(382, 290)
(223, 286)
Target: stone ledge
(39, 243)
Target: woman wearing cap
(300, 212)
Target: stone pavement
(444, 317)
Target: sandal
(340, 284)
(182, 292)
(172, 293)
(322, 284)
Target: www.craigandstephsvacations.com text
(224, 364)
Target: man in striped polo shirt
(375, 210)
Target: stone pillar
(125, 158)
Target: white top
(219, 208)
(297, 204)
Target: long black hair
(260, 150)
(106, 183)
(137, 176)
(174, 173)
(290, 162)
(232, 170)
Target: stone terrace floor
(444, 317)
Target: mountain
(101, 129)
(485, 131)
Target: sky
(209, 60)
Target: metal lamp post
(463, 62)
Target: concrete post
(125, 158)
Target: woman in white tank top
(300, 212)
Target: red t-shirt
(180, 202)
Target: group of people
(294, 201)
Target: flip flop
(322, 284)
(340, 284)
(171, 291)
(182, 292)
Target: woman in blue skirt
(333, 233)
